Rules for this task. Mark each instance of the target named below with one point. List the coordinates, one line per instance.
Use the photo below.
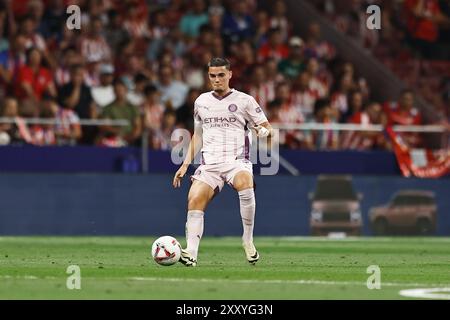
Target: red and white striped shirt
(95, 50)
(263, 94)
(304, 101)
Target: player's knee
(243, 182)
(196, 202)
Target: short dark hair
(150, 89)
(320, 105)
(140, 77)
(119, 82)
(76, 67)
(406, 91)
(219, 62)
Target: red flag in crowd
(421, 163)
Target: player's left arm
(264, 133)
(265, 130)
(261, 126)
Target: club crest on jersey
(232, 107)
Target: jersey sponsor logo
(258, 110)
(232, 107)
(219, 120)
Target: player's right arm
(194, 147)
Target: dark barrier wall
(119, 204)
(107, 160)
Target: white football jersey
(226, 123)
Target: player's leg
(243, 183)
(199, 196)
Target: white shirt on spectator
(103, 95)
(175, 92)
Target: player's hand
(261, 131)
(178, 176)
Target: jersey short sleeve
(197, 119)
(255, 112)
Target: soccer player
(222, 119)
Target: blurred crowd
(145, 62)
(414, 41)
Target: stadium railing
(442, 130)
(338, 127)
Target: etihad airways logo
(219, 120)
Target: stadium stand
(159, 49)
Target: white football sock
(248, 207)
(194, 231)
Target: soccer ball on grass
(166, 251)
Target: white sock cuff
(195, 213)
(247, 193)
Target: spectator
(135, 20)
(279, 19)
(294, 64)
(44, 134)
(203, 43)
(191, 22)
(274, 47)
(272, 74)
(152, 109)
(319, 78)
(185, 114)
(405, 113)
(32, 82)
(115, 34)
(238, 23)
(262, 26)
(12, 59)
(104, 93)
(355, 105)
(159, 34)
(339, 97)
(215, 23)
(33, 39)
(70, 57)
(136, 96)
(76, 96)
(17, 132)
(28, 27)
(316, 47)
(173, 92)
(322, 139)
(262, 90)
(121, 109)
(161, 139)
(243, 63)
(67, 130)
(366, 140)
(284, 112)
(53, 21)
(303, 96)
(93, 46)
(424, 17)
(216, 8)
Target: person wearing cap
(294, 64)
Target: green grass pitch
(289, 268)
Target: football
(166, 251)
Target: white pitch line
(445, 287)
(318, 282)
(431, 293)
(26, 277)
